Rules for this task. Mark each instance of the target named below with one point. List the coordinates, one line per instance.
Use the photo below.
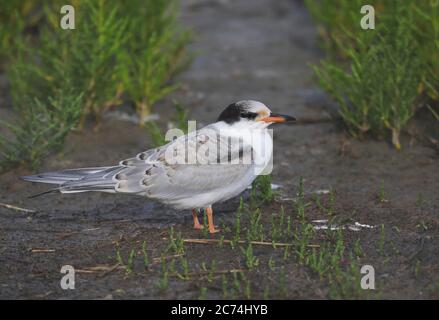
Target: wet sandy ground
(246, 49)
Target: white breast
(259, 137)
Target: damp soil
(247, 49)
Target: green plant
(212, 271)
(262, 191)
(283, 282)
(15, 16)
(163, 282)
(333, 260)
(236, 289)
(247, 286)
(241, 286)
(338, 23)
(435, 113)
(203, 293)
(379, 92)
(128, 267)
(221, 240)
(180, 118)
(84, 59)
(250, 260)
(119, 258)
(344, 283)
(417, 268)
(266, 294)
(317, 201)
(427, 33)
(287, 252)
(302, 238)
(176, 243)
(255, 230)
(358, 250)
(156, 134)
(179, 121)
(237, 225)
(40, 128)
(91, 53)
(278, 229)
(300, 203)
(271, 264)
(185, 266)
(331, 201)
(53, 82)
(130, 263)
(317, 261)
(145, 255)
(153, 53)
(112, 49)
(205, 230)
(224, 287)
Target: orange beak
(278, 118)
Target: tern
(191, 172)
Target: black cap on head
(237, 111)
(230, 114)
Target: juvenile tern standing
(194, 171)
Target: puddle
(356, 226)
(273, 186)
(322, 191)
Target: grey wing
(202, 161)
(199, 162)
(103, 179)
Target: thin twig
(201, 273)
(263, 243)
(85, 271)
(207, 273)
(116, 266)
(68, 234)
(107, 269)
(41, 250)
(10, 206)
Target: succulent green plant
(119, 51)
(377, 84)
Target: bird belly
(222, 193)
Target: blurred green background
(129, 52)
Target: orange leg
(209, 213)
(197, 225)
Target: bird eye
(248, 115)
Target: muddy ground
(246, 49)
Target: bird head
(250, 111)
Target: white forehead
(254, 106)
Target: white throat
(253, 133)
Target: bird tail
(78, 180)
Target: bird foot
(214, 230)
(198, 227)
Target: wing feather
(164, 173)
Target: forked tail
(79, 180)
